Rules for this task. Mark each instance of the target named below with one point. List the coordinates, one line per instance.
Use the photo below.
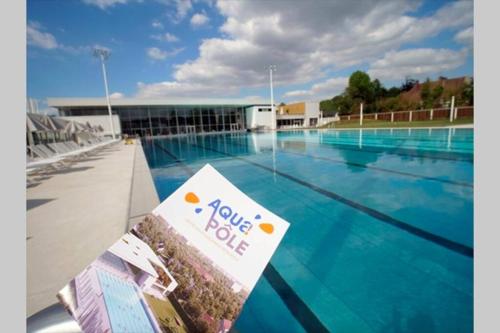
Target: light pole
(103, 54)
(272, 68)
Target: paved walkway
(75, 214)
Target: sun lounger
(51, 158)
(72, 144)
(55, 163)
(59, 148)
(48, 151)
(41, 151)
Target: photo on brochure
(188, 266)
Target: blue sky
(162, 48)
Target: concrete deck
(143, 196)
(75, 214)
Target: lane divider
(436, 239)
(299, 309)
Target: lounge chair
(59, 155)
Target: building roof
(207, 317)
(226, 324)
(101, 101)
(136, 252)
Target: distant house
(224, 326)
(301, 114)
(202, 271)
(449, 85)
(208, 319)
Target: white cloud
(319, 91)
(35, 24)
(157, 54)
(465, 36)
(157, 24)
(75, 50)
(36, 37)
(306, 41)
(178, 89)
(417, 63)
(39, 38)
(199, 19)
(182, 8)
(116, 95)
(170, 38)
(166, 37)
(103, 4)
(253, 98)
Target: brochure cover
(188, 266)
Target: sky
(223, 48)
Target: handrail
(406, 111)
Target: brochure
(188, 266)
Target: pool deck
(74, 214)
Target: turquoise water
(125, 309)
(381, 224)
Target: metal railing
(416, 115)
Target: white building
(236, 287)
(296, 115)
(173, 116)
(259, 116)
(168, 116)
(145, 264)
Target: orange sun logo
(268, 228)
(192, 198)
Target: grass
(165, 313)
(370, 123)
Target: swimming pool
(126, 310)
(381, 224)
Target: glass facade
(170, 119)
(291, 122)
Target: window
(168, 120)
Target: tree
(379, 90)
(393, 92)
(408, 84)
(193, 307)
(360, 88)
(342, 104)
(425, 94)
(390, 104)
(436, 93)
(468, 93)
(201, 326)
(327, 107)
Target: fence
(416, 115)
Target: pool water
(381, 224)
(126, 310)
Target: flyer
(187, 267)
